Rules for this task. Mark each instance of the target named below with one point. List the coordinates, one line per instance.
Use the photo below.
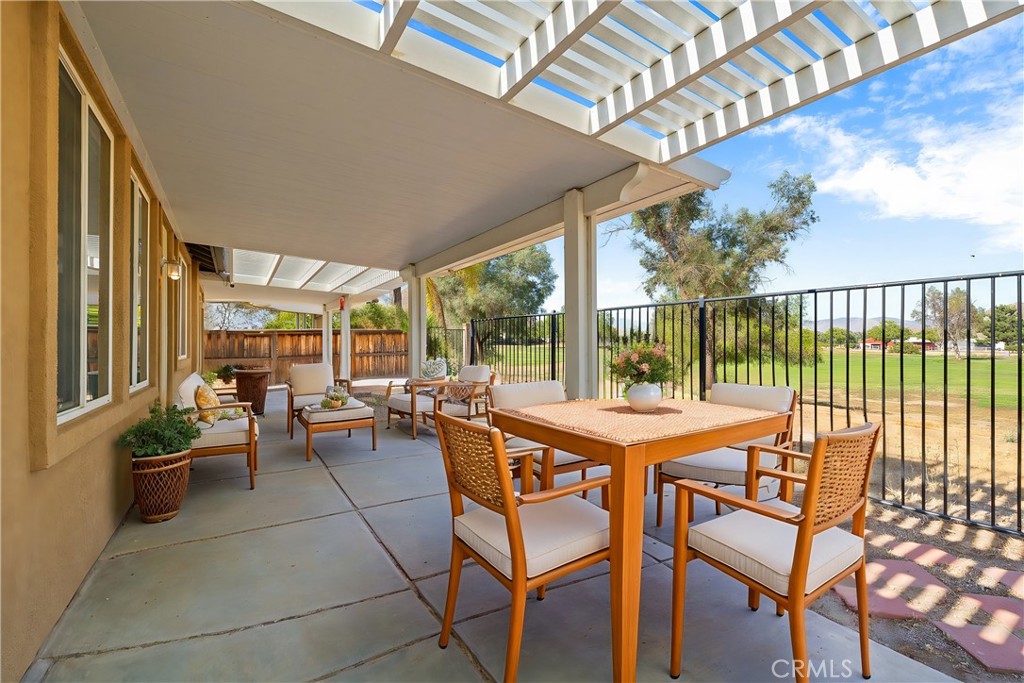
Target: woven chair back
(845, 466)
(471, 463)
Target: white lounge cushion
(226, 433)
(403, 403)
(776, 399)
(475, 373)
(311, 378)
(561, 457)
(524, 394)
(554, 533)
(453, 408)
(434, 368)
(721, 465)
(357, 411)
(187, 390)
(762, 548)
(303, 400)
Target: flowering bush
(642, 363)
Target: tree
(689, 250)
(889, 331)
(374, 315)
(515, 284)
(952, 314)
(234, 316)
(470, 279)
(1009, 326)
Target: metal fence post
(702, 333)
(472, 342)
(553, 327)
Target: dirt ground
(919, 639)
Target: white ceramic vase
(644, 397)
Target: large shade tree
(689, 249)
(953, 314)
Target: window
(84, 199)
(139, 284)
(183, 313)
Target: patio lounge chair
(768, 546)
(307, 386)
(728, 466)
(464, 397)
(224, 437)
(553, 461)
(524, 541)
(415, 397)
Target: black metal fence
(447, 344)
(937, 362)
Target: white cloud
(920, 168)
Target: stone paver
(897, 589)
(1014, 580)
(996, 649)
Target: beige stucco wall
(63, 489)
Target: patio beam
(394, 18)
(736, 32)
(345, 341)
(927, 29)
(569, 22)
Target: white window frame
(135, 282)
(89, 107)
(183, 311)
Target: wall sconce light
(173, 269)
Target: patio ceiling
(387, 135)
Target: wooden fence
(375, 353)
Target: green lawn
(524, 363)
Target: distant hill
(857, 324)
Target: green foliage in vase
(641, 363)
(164, 431)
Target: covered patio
(336, 569)
(331, 151)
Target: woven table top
(613, 419)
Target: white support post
(417, 293)
(328, 351)
(580, 299)
(345, 345)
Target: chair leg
(659, 489)
(779, 609)
(799, 637)
(515, 632)
(373, 429)
(862, 617)
(453, 592)
(583, 477)
(541, 592)
(753, 599)
(252, 468)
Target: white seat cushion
(561, 457)
(311, 378)
(524, 394)
(762, 548)
(303, 400)
(226, 433)
(554, 533)
(403, 403)
(475, 373)
(354, 410)
(776, 399)
(721, 466)
(452, 408)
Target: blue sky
(920, 173)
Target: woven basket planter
(160, 484)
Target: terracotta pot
(251, 386)
(160, 483)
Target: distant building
(871, 345)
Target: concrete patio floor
(336, 569)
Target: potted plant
(642, 368)
(334, 399)
(161, 447)
(226, 373)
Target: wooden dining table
(610, 432)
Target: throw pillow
(434, 368)
(207, 398)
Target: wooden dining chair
(727, 466)
(552, 461)
(768, 546)
(524, 541)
